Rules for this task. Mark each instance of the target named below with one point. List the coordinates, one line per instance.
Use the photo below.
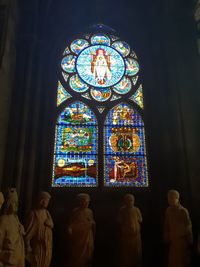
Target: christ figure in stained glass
(100, 66)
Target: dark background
(163, 35)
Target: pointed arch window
(99, 81)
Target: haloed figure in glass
(100, 66)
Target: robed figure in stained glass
(100, 66)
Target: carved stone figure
(11, 233)
(1, 199)
(81, 231)
(177, 232)
(38, 238)
(130, 219)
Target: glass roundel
(100, 66)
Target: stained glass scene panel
(100, 66)
(75, 151)
(125, 152)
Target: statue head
(129, 200)
(83, 200)
(1, 199)
(11, 201)
(43, 200)
(173, 197)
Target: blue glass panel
(122, 47)
(123, 115)
(123, 87)
(78, 45)
(132, 66)
(77, 113)
(101, 94)
(77, 85)
(125, 140)
(75, 152)
(125, 152)
(100, 66)
(75, 139)
(100, 39)
(68, 63)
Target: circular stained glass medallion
(132, 67)
(78, 45)
(77, 85)
(101, 94)
(122, 47)
(68, 63)
(100, 66)
(100, 39)
(123, 87)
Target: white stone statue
(177, 232)
(11, 233)
(1, 199)
(130, 219)
(81, 230)
(38, 237)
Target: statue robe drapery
(81, 238)
(38, 238)
(11, 241)
(178, 235)
(130, 238)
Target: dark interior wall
(164, 38)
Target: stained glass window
(75, 152)
(103, 71)
(100, 67)
(125, 152)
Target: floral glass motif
(125, 152)
(75, 152)
(62, 94)
(100, 67)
